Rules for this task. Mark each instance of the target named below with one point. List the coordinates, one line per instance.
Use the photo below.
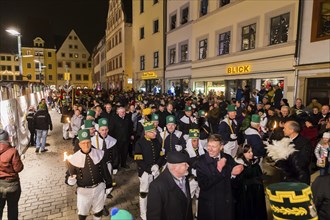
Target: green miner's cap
(103, 122)
(187, 108)
(88, 124)
(148, 126)
(231, 108)
(291, 201)
(91, 113)
(201, 113)
(84, 135)
(154, 117)
(120, 214)
(170, 119)
(193, 133)
(255, 118)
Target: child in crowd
(322, 154)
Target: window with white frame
(202, 49)
(184, 52)
(142, 62)
(279, 29)
(224, 43)
(249, 37)
(156, 59)
(173, 22)
(184, 15)
(172, 54)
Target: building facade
(119, 46)
(148, 44)
(39, 63)
(233, 46)
(74, 58)
(99, 66)
(9, 67)
(178, 42)
(313, 60)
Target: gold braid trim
(291, 195)
(288, 211)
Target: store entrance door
(150, 84)
(319, 88)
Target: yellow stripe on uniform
(138, 157)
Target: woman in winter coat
(10, 166)
(248, 188)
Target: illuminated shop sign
(238, 69)
(149, 75)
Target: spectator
(42, 123)
(321, 196)
(322, 153)
(10, 166)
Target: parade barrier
(13, 113)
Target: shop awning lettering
(238, 69)
(149, 75)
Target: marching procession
(197, 156)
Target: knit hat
(4, 136)
(83, 135)
(187, 108)
(148, 126)
(170, 119)
(120, 214)
(91, 113)
(193, 133)
(88, 124)
(154, 117)
(326, 135)
(255, 118)
(231, 108)
(201, 113)
(291, 201)
(103, 122)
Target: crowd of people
(188, 148)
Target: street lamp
(19, 44)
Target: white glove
(72, 180)
(178, 147)
(233, 136)
(114, 171)
(108, 191)
(194, 172)
(155, 170)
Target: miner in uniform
(194, 149)
(149, 159)
(171, 139)
(186, 122)
(228, 130)
(88, 124)
(155, 120)
(87, 169)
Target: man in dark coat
(42, 123)
(121, 128)
(169, 195)
(298, 162)
(321, 196)
(215, 169)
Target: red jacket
(311, 134)
(10, 162)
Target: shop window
(184, 15)
(279, 29)
(141, 6)
(173, 22)
(156, 26)
(249, 37)
(141, 33)
(172, 56)
(203, 7)
(78, 77)
(202, 49)
(224, 43)
(156, 59)
(184, 52)
(320, 20)
(224, 2)
(142, 63)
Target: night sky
(52, 20)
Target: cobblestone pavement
(46, 196)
